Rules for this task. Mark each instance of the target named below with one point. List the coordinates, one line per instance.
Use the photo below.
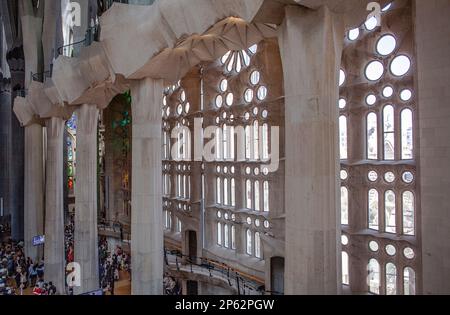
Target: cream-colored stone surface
(311, 46)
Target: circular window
(255, 111)
(390, 250)
(342, 103)
(371, 99)
(219, 101)
(262, 93)
(179, 109)
(248, 95)
(408, 177)
(388, 91)
(386, 45)
(389, 177)
(183, 96)
(374, 70)
(341, 77)
(230, 99)
(168, 111)
(405, 95)
(409, 253)
(400, 65)
(373, 176)
(223, 85)
(187, 108)
(256, 171)
(353, 34)
(225, 170)
(266, 224)
(219, 214)
(373, 246)
(232, 170)
(217, 120)
(249, 220)
(344, 175)
(233, 217)
(371, 23)
(224, 115)
(265, 171)
(344, 240)
(257, 223)
(255, 77)
(264, 114)
(246, 116)
(226, 216)
(248, 170)
(218, 169)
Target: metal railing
(92, 34)
(244, 284)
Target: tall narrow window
(343, 137)
(407, 134)
(233, 237)
(389, 206)
(372, 137)
(257, 202)
(344, 206)
(248, 194)
(373, 210)
(248, 142)
(231, 141)
(226, 236)
(225, 192)
(374, 276)
(389, 133)
(185, 195)
(179, 186)
(233, 192)
(225, 142)
(218, 144)
(249, 242)
(219, 233)
(266, 196)
(256, 140)
(345, 269)
(391, 279)
(409, 281)
(265, 142)
(408, 213)
(258, 253)
(219, 191)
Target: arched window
(219, 191)
(265, 142)
(409, 281)
(219, 233)
(248, 194)
(257, 201)
(248, 142)
(255, 140)
(218, 144)
(233, 237)
(408, 213)
(266, 196)
(249, 242)
(373, 210)
(258, 253)
(372, 137)
(343, 137)
(389, 213)
(345, 269)
(389, 132)
(407, 134)
(374, 276)
(391, 279)
(225, 192)
(226, 144)
(233, 192)
(344, 206)
(226, 236)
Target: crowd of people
(18, 273)
(111, 263)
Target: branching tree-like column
(311, 45)
(54, 216)
(146, 190)
(86, 232)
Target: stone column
(311, 46)
(33, 190)
(146, 214)
(54, 202)
(433, 77)
(86, 234)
